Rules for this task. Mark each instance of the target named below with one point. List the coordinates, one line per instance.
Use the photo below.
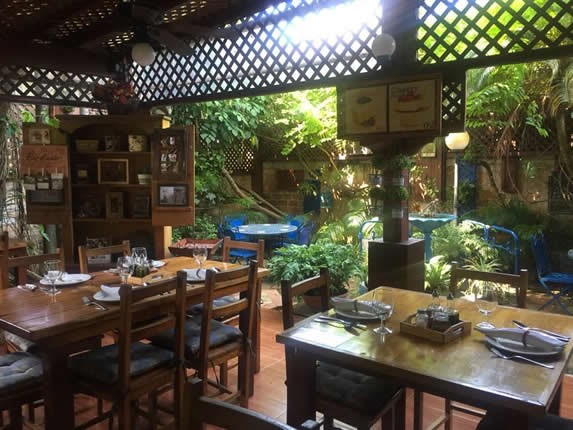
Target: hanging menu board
(399, 108)
(47, 159)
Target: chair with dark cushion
(345, 395)
(203, 410)
(20, 383)
(127, 370)
(209, 342)
(556, 284)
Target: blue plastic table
(267, 232)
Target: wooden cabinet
(112, 160)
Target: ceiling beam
(56, 58)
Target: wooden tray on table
(463, 328)
(184, 247)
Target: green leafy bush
(204, 228)
(437, 276)
(296, 263)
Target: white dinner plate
(357, 315)
(68, 279)
(101, 297)
(157, 263)
(195, 275)
(516, 347)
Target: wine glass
(53, 272)
(200, 254)
(383, 303)
(486, 300)
(124, 268)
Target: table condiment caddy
(436, 323)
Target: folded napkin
(355, 306)
(109, 291)
(526, 337)
(29, 287)
(65, 277)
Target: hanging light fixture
(143, 53)
(458, 141)
(383, 46)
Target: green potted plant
(295, 263)
(203, 232)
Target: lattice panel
(55, 87)
(240, 158)
(453, 102)
(458, 30)
(527, 140)
(272, 53)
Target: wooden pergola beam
(56, 58)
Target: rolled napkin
(109, 291)
(526, 337)
(355, 306)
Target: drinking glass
(139, 255)
(53, 272)
(383, 303)
(124, 268)
(200, 254)
(486, 300)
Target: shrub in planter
(296, 263)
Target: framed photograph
(111, 143)
(114, 205)
(140, 205)
(112, 171)
(171, 160)
(362, 110)
(173, 195)
(137, 142)
(37, 134)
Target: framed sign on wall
(398, 107)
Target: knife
(338, 320)
(561, 337)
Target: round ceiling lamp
(383, 45)
(143, 54)
(458, 141)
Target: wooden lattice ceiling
(52, 51)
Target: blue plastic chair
(230, 227)
(550, 280)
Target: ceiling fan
(149, 28)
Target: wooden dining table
(463, 370)
(63, 324)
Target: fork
(90, 301)
(520, 357)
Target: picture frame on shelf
(113, 171)
(111, 143)
(37, 134)
(140, 205)
(137, 143)
(114, 204)
(173, 195)
(171, 161)
(81, 174)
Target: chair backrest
(140, 319)
(202, 410)
(7, 262)
(290, 290)
(540, 254)
(519, 282)
(85, 252)
(242, 281)
(258, 249)
(235, 220)
(304, 234)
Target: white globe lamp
(383, 46)
(458, 141)
(143, 54)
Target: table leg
(300, 373)
(418, 409)
(555, 406)
(59, 397)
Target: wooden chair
(205, 410)
(84, 252)
(244, 251)
(457, 275)
(125, 371)
(379, 398)
(209, 342)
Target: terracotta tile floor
(270, 390)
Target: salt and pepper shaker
(453, 314)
